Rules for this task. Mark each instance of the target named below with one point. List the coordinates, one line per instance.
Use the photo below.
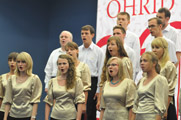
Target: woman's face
(12, 64)
(63, 66)
(145, 63)
(113, 68)
(72, 52)
(158, 51)
(22, 65)
(112, 48)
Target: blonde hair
(153, 59)
(24, 56)
(71, 73)
(161, 42)
(121, 75)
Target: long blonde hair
(161, 42)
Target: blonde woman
(152, 91)
(23, 91)
(115, 48)
(4, 78)
(168, 70)
(64, 92)
(118, 92)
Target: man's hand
(46, 90)
(96, 96)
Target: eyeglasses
(108, 65)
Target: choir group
(80, 80)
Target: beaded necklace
(115, 82)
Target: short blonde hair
(24, 56)
(121, 75)
(161, 42)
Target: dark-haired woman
(4, 78)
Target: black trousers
(172, 115)
(56, 119)
(12, 118)
(91, 103)
(1, 115)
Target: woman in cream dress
(23, 91)
(152, 91)
(64, 92)
(169, 71)
(82, 70)
(115, 48)
(3, 80)
(118, 93)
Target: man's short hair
(166, 11)
(125, 13)
(121, 28)
(159, 22)
(88, 27)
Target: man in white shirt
(131, 39)
(93, 56)
(121, 33)
(155, 28)
(51, 66)
(169, 31)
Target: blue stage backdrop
(34, 27)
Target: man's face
(118, 33)
(163, 18)
(154, 28)
(86, 37)
(64, 39)
(123, 21)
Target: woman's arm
(47, 111)
(7, 108)
(1, 101)
(84, 105)
(79, 111)
(133, 116)
(34, 111)
(101, 114)
(158, 117)
(99, 100)
(130, 113)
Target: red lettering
(119, 8)
(133, 6)
(141, 10)
(173, 2)
(154, 6)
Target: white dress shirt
(172, 34)
(132, 56)
(171, 49)
(93, 56)
(51, 66)
(132, 40)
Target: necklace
(115, 82)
